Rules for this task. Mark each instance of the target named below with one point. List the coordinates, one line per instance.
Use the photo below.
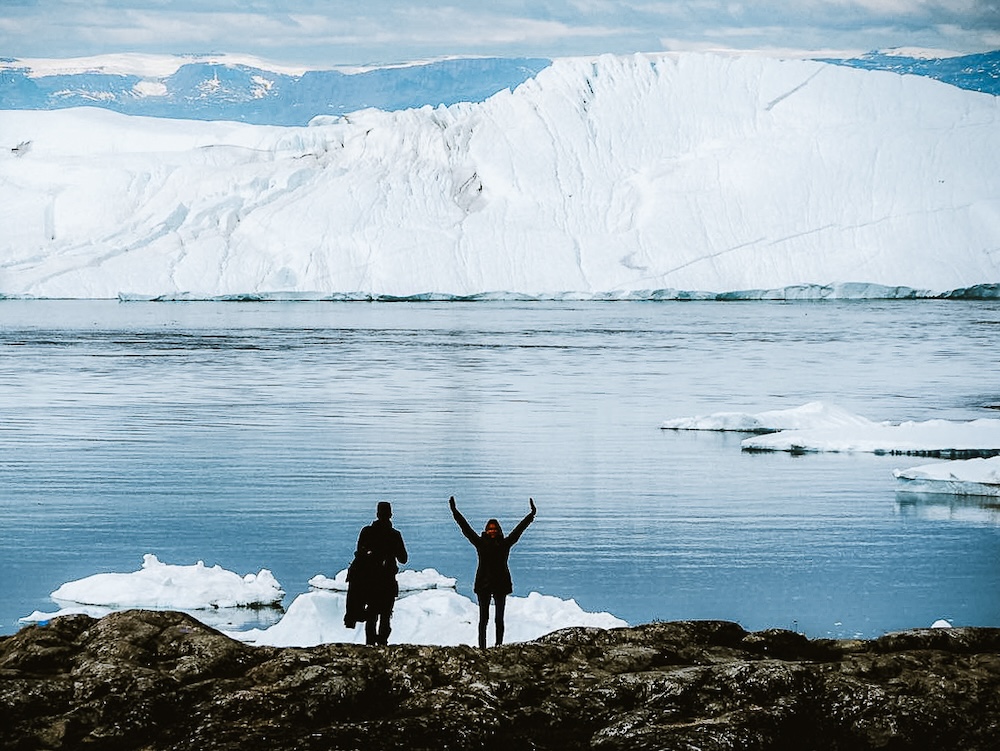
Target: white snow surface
(163, 585)
(811, 415)
(818, 426)
(921, 438)
(429, 616)
(408, 581)
(429, 610)
(610, 177)
(978, 477)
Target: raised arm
(523, 524)
(464, 525)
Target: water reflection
(975, 509)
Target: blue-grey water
(261, 436)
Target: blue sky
(336, 32)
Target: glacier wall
(609, 177)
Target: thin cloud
(323, 33)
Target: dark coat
(493, 573)
(371, 578)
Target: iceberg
(962, 477)
(162, 585)
(215, 596)
(818, 426)
(811, 415)
(942, 438)
(666, 176)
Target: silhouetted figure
(492, 574)
(372, 587)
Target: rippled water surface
(262, 435)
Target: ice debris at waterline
(163, 585)
(962, 477)
(602, 177)
(216, 596)
(817, 427)
(811, 415)
(429, 610)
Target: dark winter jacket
(372, 575)
(381, 545)
(493, 573)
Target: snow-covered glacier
(614, 177)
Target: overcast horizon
(319, 33)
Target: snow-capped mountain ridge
(979, 72)
(224, 88)
(245, 89)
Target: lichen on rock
(162, 680)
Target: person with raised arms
(493, 581)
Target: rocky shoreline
(162, 680)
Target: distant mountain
(212, 90)
(979, 72)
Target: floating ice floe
(429, 610)
(943, 438)
(811, 415)
(817, 427)
(966, 477)
(164, 586)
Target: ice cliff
(621, 176)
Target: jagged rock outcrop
(161, 680)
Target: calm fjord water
(261, 436)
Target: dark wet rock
(157, 680)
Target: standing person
(492, 574)
(380, 545)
